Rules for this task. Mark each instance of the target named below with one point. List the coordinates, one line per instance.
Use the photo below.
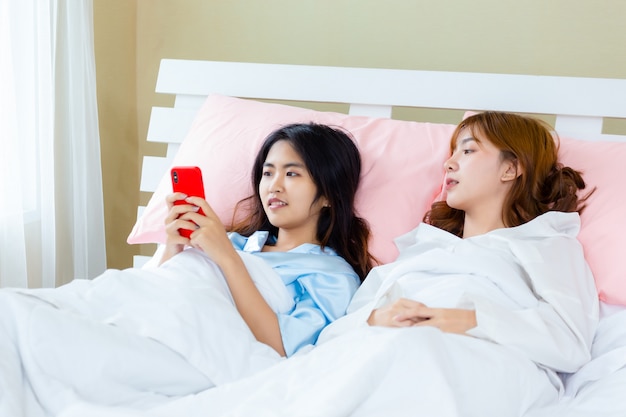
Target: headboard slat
(389, 87)
(170, 124)
(153, 169)
(370, 110)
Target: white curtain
(51, 209)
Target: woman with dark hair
(334, 165)
(301, 222)
(220, 305)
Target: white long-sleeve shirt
(530, 286)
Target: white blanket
(363, 378)
(135, 337)
(505, 370)
(373, 372)
(597, 389)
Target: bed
(223, 110)
(577, 107)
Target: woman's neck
(286, 241)
(485, 224)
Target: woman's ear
(513, 170)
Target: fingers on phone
(174, 197)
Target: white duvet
(136, 337)
(377, 379)
(356, 370)
(362, 371)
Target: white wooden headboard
(579, 104)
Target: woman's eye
(466, 151)
(267, 173)
(292, 174)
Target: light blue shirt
(321, 283)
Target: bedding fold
(136, 336)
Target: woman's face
(477, 177)
(287, 191)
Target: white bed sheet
(598, 388)
(372, 361)
(143, 337)
(598, 391)
(446, 376)
(608, 352)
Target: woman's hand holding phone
(186, 182)
(178, 224)
(191, 220)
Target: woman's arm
(558, 331)
(253, 308)
(211, 237)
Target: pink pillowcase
(603, 224)
(401, 177)
(401, 172)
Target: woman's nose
(276, 184)
(448, 165)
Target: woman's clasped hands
(406, 313)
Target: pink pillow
(401, 176)
(603, 224)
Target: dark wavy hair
(544, 185)
(334, 162)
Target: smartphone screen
(188, 180)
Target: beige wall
(560, 37)
(115, 27)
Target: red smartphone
(188, 180)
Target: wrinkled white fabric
(138, 336)
(537, 311)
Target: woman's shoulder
(550, 224)
(424, 233)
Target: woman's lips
(275, 203)
(450, 183)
